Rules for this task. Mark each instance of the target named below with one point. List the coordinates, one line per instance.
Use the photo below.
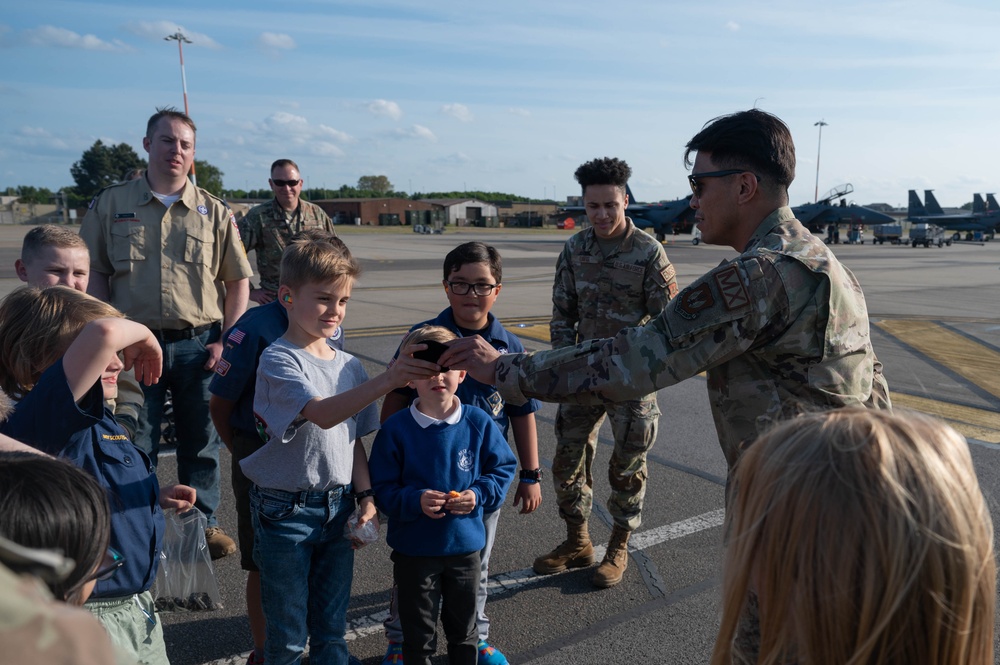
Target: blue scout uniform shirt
(236, 373)
(87, 435)
(471, 391)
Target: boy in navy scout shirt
(231, 406)
(60, 358)
(436, 468)
(472, 276)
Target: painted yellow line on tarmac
(970, 422)
(977, 363)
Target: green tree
(102, 165)
(29, 194)
(375, 183)
(209, 177)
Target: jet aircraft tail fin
(916, 206)
(991, 204)
(978, 205)
(933, 207)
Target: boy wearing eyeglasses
(269, 227)
(472, 283)
(608, 277)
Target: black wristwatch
(531, 475)
(362, 494)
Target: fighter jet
(984, 216)
(833, 210)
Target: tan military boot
(610, 572)
(575, 552)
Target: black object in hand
(432, 353)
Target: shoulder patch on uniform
(693, 300)
(222, 367)
(236, 336)
(734, 294)
(668, 273)
(203, 209)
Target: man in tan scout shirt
(159, 249)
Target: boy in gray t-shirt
(313, 466)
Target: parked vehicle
(891, 233)
(927, 235)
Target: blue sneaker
(490, 655)
(393, 654)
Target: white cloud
(288, 133)
(157, 30)
(386, 108)
(414, 132)
(37, 138)
(50, 35)
(524, 113)
(274, 41)
(458, 111)
(732, 26)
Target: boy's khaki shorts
(130, 629)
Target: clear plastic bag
(186, 579)
(360, 536)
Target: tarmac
(935, 327)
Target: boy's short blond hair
(49, 235)
(37, 326)
(429, 334)
(316, 256)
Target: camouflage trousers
(633, 424)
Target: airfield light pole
(821, 124)
(181, 40)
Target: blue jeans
(185, 375)
(306, 567)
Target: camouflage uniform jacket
(781, 329)
(266, 230)
(595, 296)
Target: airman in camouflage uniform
(608, 277)
(781, 329)
(268, 227)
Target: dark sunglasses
(286, 183)
(696, 187)
(112, 561)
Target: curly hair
(604, 171)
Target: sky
(511, 96)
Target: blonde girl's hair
(37, 326)
(865, 538)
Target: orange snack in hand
(453, 494)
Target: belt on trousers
(182, 334)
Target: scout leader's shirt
(595, 296)
(164, 264)
(267, 228)
(782, 328)
(87, 435)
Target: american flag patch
(236, 336)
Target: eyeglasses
(286, 183)
(480, 289)
(112, 561)
(695, 177)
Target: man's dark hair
(168, 112)
(474, 252)
(604, 171)
(278, 163)
(754, 140)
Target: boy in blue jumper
(435, 469)
(472, 283)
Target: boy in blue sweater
(435, 468)
(473, 274)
